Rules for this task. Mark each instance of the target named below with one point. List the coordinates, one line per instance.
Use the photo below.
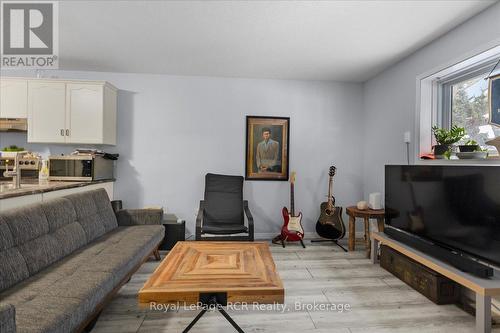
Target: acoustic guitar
(330, 224)
(292, 227)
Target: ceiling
(309, 40)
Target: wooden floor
(321, 273)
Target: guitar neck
(292, 201)
(330, 185)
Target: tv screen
(457, 207)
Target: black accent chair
(221, 211)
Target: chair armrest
(249, 217)
(7, 318)
(199, 220)
(128, 217)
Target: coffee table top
(244, 270)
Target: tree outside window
(469, 109)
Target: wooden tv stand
(483, 288)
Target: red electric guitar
(292, 227)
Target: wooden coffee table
(215, 273)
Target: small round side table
(366, 215)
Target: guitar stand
(300, 240)
(212, 301)
(329, 240)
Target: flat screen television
(455, 207)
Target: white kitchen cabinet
(46, 111)
(69, 111)
(13, 98)
(90, 114)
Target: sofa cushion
(40, 253)
(49, 314)
(85, 257)
(26, 223)
(59, 212)
(13, 268)
(6, 239)
(70, 238)
(86, 213)
(107, 214)
(90, 288)
(29, 229)
(121, 257)
(95, 216)
(144, 232)
(30, 288)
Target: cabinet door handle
(62, 132)
(67, 132)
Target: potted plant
(13, 148)
(469, 146)
(11, 151)
(446, 138)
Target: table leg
(380, 224)
(483, 313)
(374, 251)
(352, 233)
(195, 320)
(367, 235)
(229, 319)
(212, 300)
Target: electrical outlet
(407, 137)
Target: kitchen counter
(33, 187)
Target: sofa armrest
(7, 318)
(199, 221)
(249, 218)
(128, 217)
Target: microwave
(80, 168)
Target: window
(465, 104)
(457, 94)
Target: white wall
(172, 130)
(390, 97)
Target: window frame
(430, 96)
(444, 109)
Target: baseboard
(263, 236)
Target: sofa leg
(156, 253)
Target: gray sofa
(63, 259)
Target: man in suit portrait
(267, 156)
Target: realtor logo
(30, 34)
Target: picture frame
(494, 100)
(267, 148)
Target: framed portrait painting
(267, 147)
